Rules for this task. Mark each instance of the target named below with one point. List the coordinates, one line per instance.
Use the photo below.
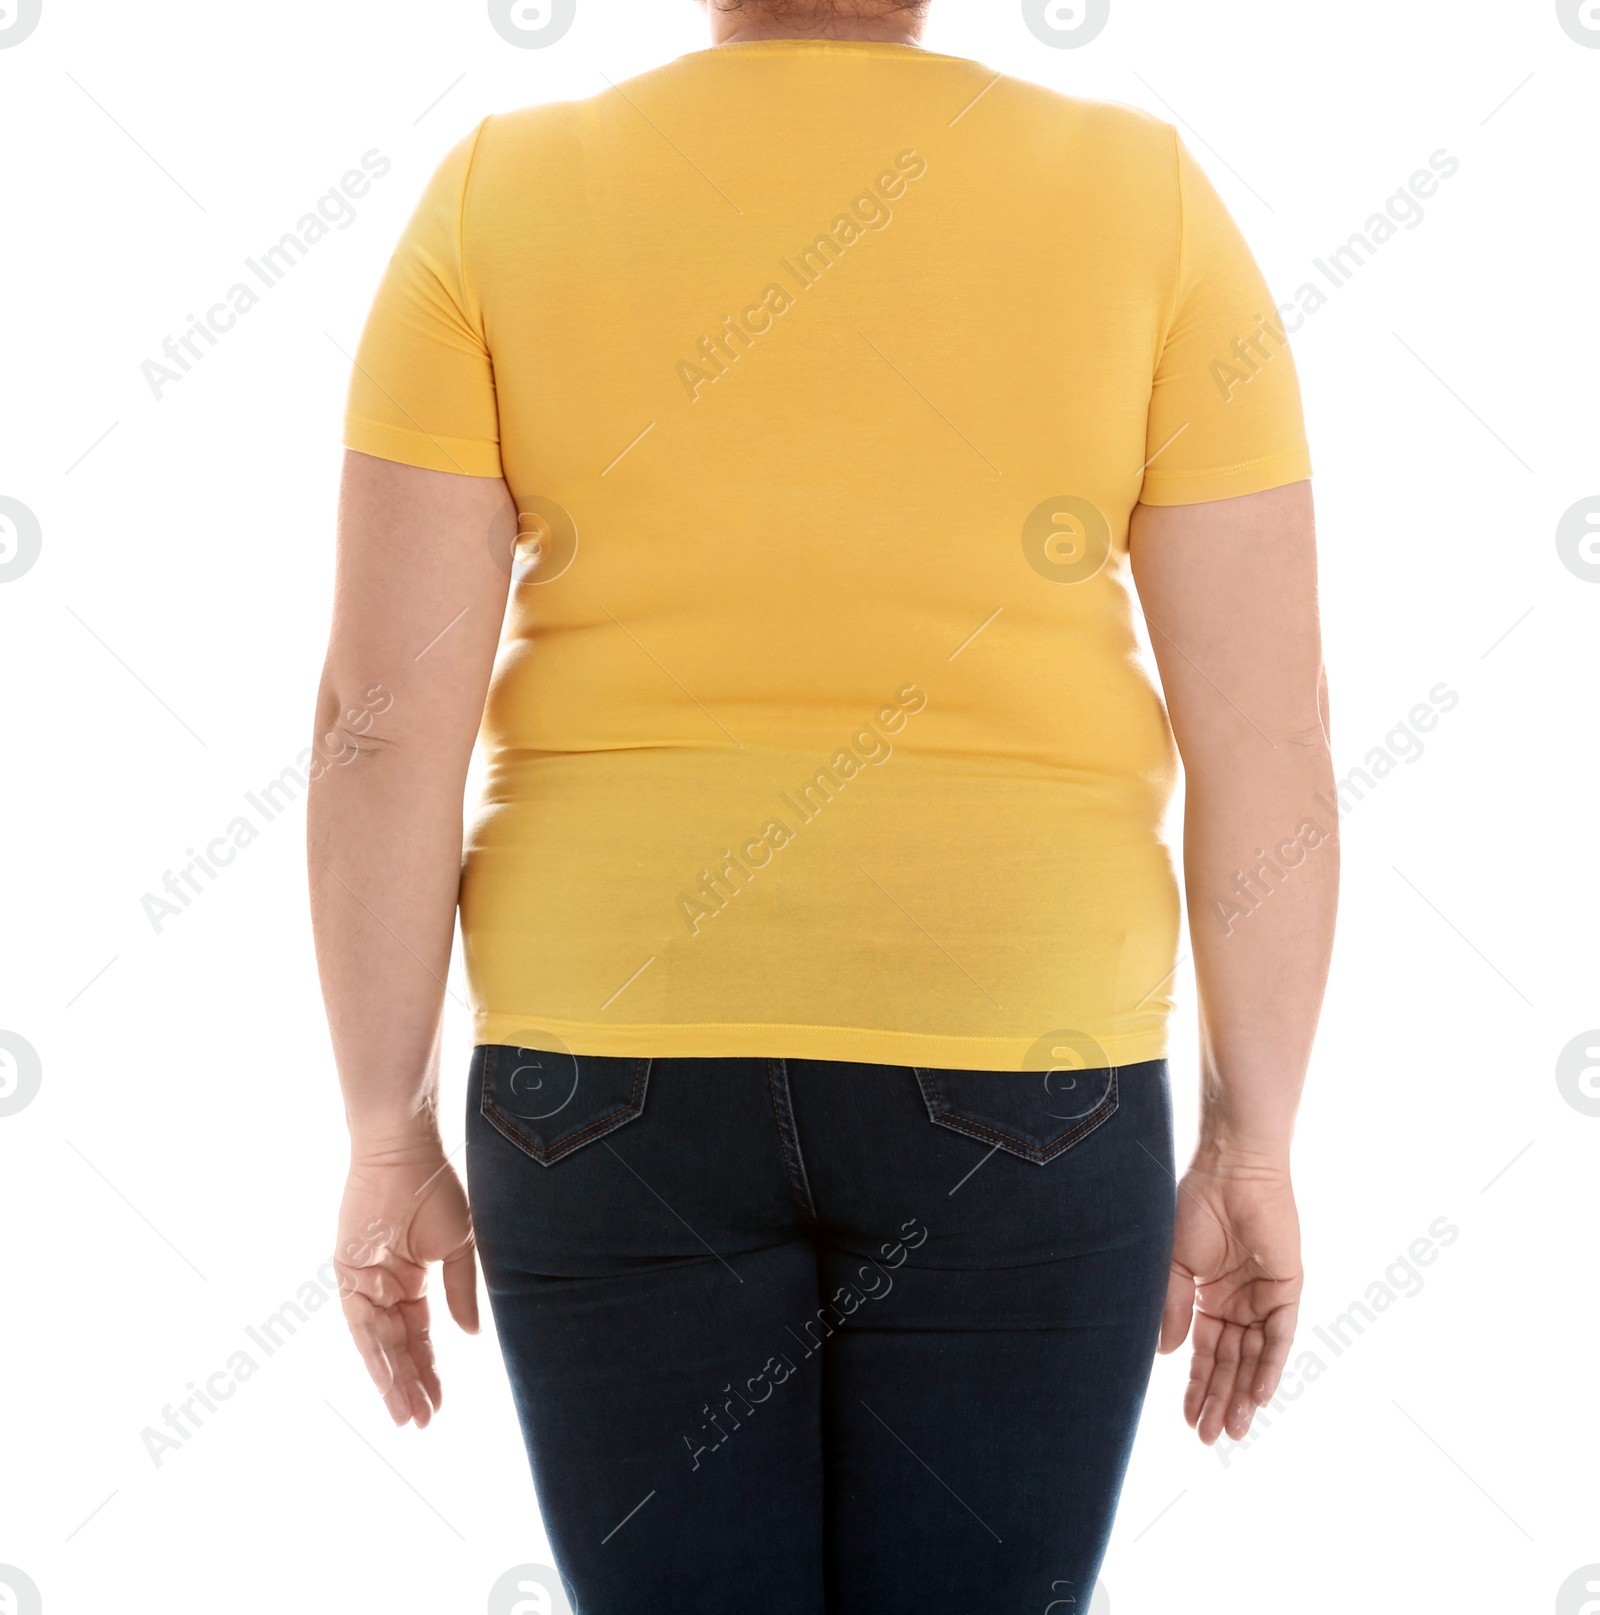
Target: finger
(384, 1284)
(1201, 1367)
(398, 1403)
(402, 1330)
(461, 1290)
(358, 1314)
(366, 1329)
(387, 1333)
(1241, 1399)
(1214, 1409)
(416, 1407)
(419, 1351)
(1277, 1338)
(411, 1392)
(1178, 1313)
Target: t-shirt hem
(470, 457)
(1230, 482)
(863, 1045)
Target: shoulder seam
(1183, 236)
(461, 215)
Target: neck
(733, 27)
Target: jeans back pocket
(550, 1104)
(1034, 1115)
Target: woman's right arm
(419, 598)
(1229, 589)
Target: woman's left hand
(403, 1211)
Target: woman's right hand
(1236, 1276)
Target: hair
(825, 10)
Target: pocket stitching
(987, 1132)
(630, 1109)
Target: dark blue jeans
(795, 1337)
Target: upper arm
(1229, 590)
(426, 523)
(421, 581)
(1222, 542)
(422, 386)
(1225, 416)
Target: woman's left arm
(418, 601)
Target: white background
(175, 1178)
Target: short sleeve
(422, 390)
(1225, 415)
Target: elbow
(350, 724)
(1306, 725)
(1301, 737)
(1298, 726)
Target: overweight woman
(768, 453)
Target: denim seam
(789, 1136)
(629, 1110)
(988, 1133)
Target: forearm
(384, 828)
(418, 600)
(1261, 863)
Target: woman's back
(817, 913)
(826, 375)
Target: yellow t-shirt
(825, 376)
